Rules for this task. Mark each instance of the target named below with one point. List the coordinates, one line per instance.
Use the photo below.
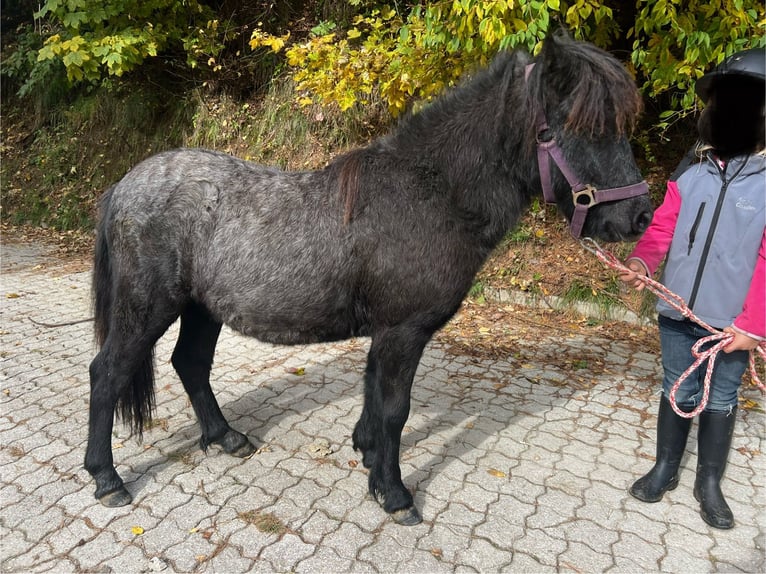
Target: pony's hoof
(236, 444)
(119, 497)
(407, 516)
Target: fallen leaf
(353, 463)
(496, 473)
(297, 371)
(12, 296)
(748, 404)
(137, 530)
(320, 448)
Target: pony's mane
(599, 95)
(599, 91)
(348, 181)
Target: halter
(584, 196)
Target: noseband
(584, 196)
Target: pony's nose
(642, 220)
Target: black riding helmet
(732, 122)
(746, 64)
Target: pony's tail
(136, 402)
(102, 276)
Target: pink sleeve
(655, 242)
(752, 320)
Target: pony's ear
(559, 65)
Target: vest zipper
(693, 231)
(711, 233)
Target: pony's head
(583, 106)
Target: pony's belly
(288, 332)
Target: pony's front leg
(392, 362)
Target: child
(711, 227)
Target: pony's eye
(544, 135)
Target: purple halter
(584, 196)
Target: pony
(384, 242)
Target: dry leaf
(297, 371)
(497, 473)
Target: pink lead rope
(719, 338)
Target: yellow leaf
(297, 371)
(748, 404)
(354, 33)
(496, 473)
(12, 296)
(137, 530)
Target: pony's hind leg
(121, 375)
(393, 359)
(192, 360)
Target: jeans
(676, 339)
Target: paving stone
(287, 552)
(514, 470)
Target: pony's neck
(473, 140)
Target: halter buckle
(586, 197)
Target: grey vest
(717, 237)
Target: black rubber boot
(713, 444)
(672, 432)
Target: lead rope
(719, 338)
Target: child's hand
(740, 342)
(632, 277)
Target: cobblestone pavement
(514, 469)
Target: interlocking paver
(518, 465)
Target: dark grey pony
(384, 242)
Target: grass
(53, 170)
(605, 297)
(264, 521)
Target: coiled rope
(718, 339)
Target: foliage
(411, 54)
(20, 64)
(415, 55)
(96, 38)
(677, 41)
